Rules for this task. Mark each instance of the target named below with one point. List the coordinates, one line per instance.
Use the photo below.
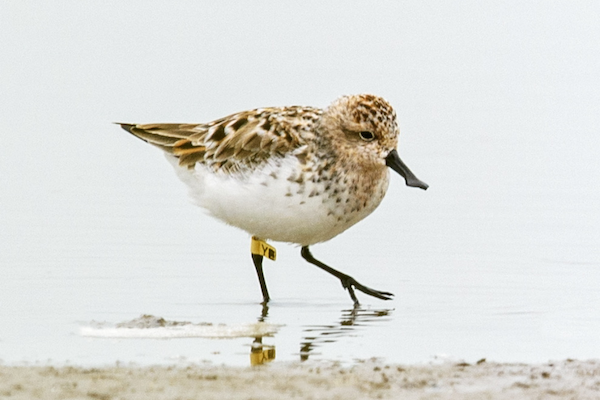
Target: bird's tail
(165, 136)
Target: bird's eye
(366, 136)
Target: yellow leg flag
(262, 248)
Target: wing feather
(243, 140)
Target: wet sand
(565, 379)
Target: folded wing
(240, 140)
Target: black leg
(348, 282)
(261, 277)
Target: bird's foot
(350, 283)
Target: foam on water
(152, 327)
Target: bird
(296, 174)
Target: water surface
(498, 108)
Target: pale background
(499, 107)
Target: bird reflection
(318, 335)
(351, 319)
(261, 353)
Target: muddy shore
(565, 379)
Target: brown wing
(240, 140)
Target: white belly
(268, 205)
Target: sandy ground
(569, 379)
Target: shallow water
(499, 259)
(502, 280)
